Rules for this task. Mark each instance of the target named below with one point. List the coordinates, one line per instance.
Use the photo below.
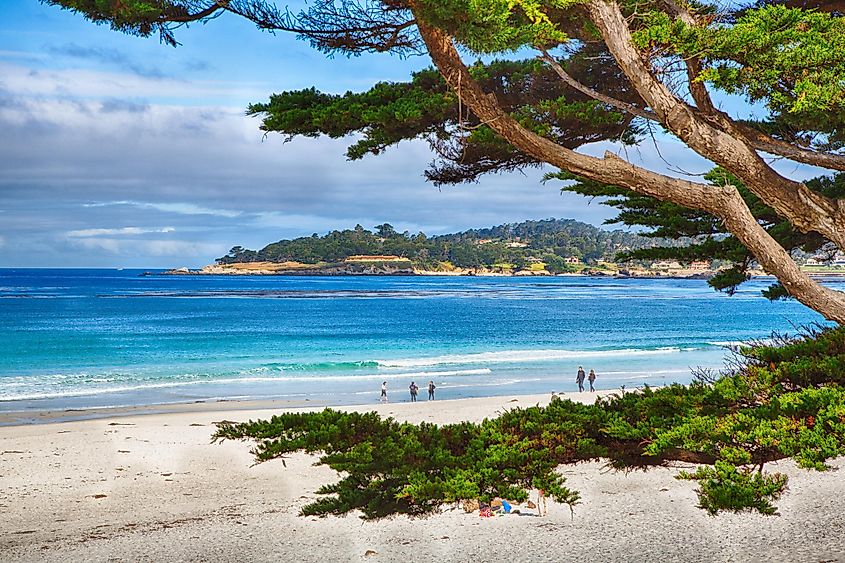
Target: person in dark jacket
(431, 388)
(413, 388)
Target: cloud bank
(93, 165)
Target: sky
(119, 151)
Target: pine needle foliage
(782, 401)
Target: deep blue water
(88, 338)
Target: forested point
(556, 243)
(782, 400)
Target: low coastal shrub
(781, 401)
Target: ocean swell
(520, 356)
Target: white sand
(153, 488)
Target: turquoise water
(94, 338)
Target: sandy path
(153, 488)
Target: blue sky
(118, 151)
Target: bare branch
(619, 104)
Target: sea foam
(519, 356)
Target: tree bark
(724, 202)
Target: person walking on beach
(592, 379)
(580, 378)
(431, 388)
(413, 388)
(384, 392)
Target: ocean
(75, 339)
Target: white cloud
(191, 209)
(300, 224)
(12, 54)
(85, 83)
(128, 231)
(150, 248)
(178, 208)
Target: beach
(153, 487)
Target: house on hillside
(517, 244)
(374, 258)
(572, 260)
(666, 265)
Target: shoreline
(218, 270)
(34, 417)
(153, 487)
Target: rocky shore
(386, 269)
(294, 269)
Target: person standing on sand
(384, 392)
(431, 388)
(413, 388)
(580, 378)
(592, 379)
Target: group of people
(582, 376)
(413, 388)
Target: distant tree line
(514, 245)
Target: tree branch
(584, 89)
(693, 64)
(769, 144)
(807, 210)
(757, 139)
(724, 202)
(208, 12)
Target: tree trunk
(724, 202)
(794, 201)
